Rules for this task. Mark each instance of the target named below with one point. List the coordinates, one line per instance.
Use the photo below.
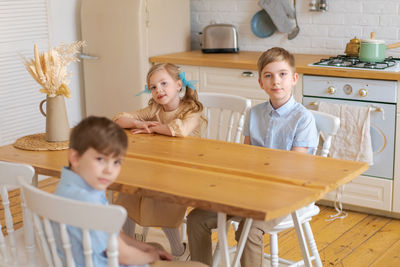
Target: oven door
(382, 134)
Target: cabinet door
(366, 191)
(232, 81)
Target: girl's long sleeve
(188, 126)
(144, 114)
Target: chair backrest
(327, 126)
(225, 114)
(46, 207)
(9, 172)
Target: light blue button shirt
(283, 128)
(72, 186)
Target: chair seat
(285, 222)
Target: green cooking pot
(373, 50)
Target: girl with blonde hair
(173, 110)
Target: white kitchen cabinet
(232, 81)
(396, 179)
(367, 192)
(228, 81)
(239, 82)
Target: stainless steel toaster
(220, 38)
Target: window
(22, 23)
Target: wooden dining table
(236, 179)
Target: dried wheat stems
(49, 69)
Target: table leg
(242, 241)
(222, 239)
(301, 239)
(35, 179)
(217, 251)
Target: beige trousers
(151, 212)
(199, 226)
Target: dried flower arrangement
(49, 69)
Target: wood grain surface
(237, 179)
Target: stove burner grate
(354, 62)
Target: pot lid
(373, 41)
(355, 41)
(262, 25)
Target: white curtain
(22, 23)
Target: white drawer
(368, 192)
(231, 81)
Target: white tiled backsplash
(320, 32)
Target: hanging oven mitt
(281, 13)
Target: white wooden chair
(46, 207)
(327, 126)
(18, 247)
(225, 114)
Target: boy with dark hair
(97, 149)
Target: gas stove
(390, 64)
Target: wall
(320, 33)
(65, 27)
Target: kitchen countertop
(248, 60)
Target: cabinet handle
(87, 56)
(247, 74)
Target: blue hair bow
(182, 76)
(190, 84)
(146, 90)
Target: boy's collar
(75, 179)
(282, 110)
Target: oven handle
(371, 108)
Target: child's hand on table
(144, 126)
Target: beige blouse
(190, 126)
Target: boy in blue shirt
(279, 123)
(97, 148)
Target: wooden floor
(358, 240)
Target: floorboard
(357, 240)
